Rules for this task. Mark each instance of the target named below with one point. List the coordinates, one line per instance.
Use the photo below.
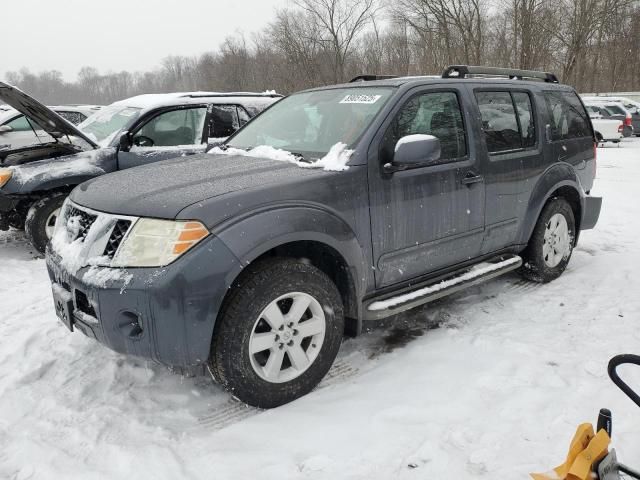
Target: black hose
(614, 363)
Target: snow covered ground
(489, 384)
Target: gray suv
(38, 176)
(334, 207)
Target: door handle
(470, 178)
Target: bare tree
(340, 22)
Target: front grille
(85, 220)
(115, 239)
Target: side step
(394, 303)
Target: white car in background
(18, 131)
(606, 129)
(619, 107)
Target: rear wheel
(552, 242)
(41, 220)
(278, 333)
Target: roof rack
(370, 78)
(463, 71)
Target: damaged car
(36, 178)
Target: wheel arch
(314, 235)
(558, 181)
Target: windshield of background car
(105, 124)
(310, 123)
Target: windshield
(310, 123)
(104, 125)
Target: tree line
(593, 45)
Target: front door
(172, 133)
(430, 217)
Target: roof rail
(463, 71)
(370, 78)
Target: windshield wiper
(300, 157)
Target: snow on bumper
(165, 314)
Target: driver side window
(436, 114)
(173, 128)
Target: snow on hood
(80, 164)
(335, 160)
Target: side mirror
(125, 142)
(5, 129)
(415, 150)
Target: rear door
(509, 133)
(430, 216)
(166, 134)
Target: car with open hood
(336, 206)
(36, 178)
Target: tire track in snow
(234, 411)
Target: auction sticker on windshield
(359, 98)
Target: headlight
(156, 243)
(5, 176)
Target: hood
(47, 119)
(163, 189)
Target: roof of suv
(427, 79)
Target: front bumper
(590, 212)
(165, 314)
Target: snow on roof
(152, 100)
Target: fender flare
(555, 177)
(251, 235)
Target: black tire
(534, 266)
(38, 215)
(231, 363)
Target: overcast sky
(66, 35)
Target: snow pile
(64, 243)
(335, 160)
(103, 276)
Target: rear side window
(567, 117)
(224, 121)
(436, 114)
(507, 120)
(615, 110)
(499, 121)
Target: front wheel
(278, 333)
(41, 220)
(552, 242)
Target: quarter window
(436, 114)
(567, 117)
(73, 117)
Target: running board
(394, 303)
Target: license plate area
(63, 302)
